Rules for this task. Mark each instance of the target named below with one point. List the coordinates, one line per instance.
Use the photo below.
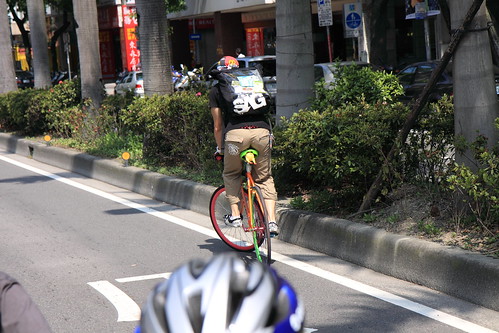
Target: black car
(415, 77)
(25, 79)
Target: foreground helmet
(222, 295)
(227, 62)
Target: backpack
(243, 91)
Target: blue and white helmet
(223, 295)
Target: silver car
(327, 70)
(133, 82)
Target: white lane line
(125, 202)
(423, 310)
(144, 277)
(127, 309)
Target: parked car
(414, 78)
(133, 81)
(25, 79)
(326, 70)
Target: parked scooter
(59, 76)
(188, 78)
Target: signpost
(352, 13)
(352, 22)
(326, 20)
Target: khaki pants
(236, 141)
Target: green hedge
(177, 128)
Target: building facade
(210, 29)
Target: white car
(327, 70)
(133, 81)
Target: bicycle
(254, 233)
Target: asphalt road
(89, 253)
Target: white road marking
(127, 309)
(423, 310)
(144, 277)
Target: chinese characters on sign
(132, 53)
(325, 13)
(106, 54)
(254, 42)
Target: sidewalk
(469, 276)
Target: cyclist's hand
(218, 155)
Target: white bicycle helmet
(222, 295)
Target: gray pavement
(469, 276)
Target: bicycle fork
(251, 211)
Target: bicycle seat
(249, 155)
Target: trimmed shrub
(177, 129)
(341, 149)
(354, 84)
(479, 189)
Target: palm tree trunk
(475, 99)
(7, 74)
(295, 57)
(38, 30)
(155, 51)
(87, 31)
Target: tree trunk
(457, 36)
(53, 40)
(87, 31)
(155, 51)
(475, 100)
(375, 12)
(7, 73)
(295, 57)
(38, 31)
(24, 33)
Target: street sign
(325, 13)
(195, 36)
(352, 19)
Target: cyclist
(222, 295)
(233, 134)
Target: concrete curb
(469, 276)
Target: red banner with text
(254, 42)
(131, 58)
(108, 65)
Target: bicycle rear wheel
(262, 225)
(238, 238)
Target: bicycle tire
(236, 238)
(262, 222)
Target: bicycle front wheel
(238, 238)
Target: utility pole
(475, 100)
(294, 57)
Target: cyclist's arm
(218, 125)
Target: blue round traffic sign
(353, 20)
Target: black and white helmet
(222, 295)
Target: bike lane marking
(127, 309)
(415, 307)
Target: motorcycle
(187, 79)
